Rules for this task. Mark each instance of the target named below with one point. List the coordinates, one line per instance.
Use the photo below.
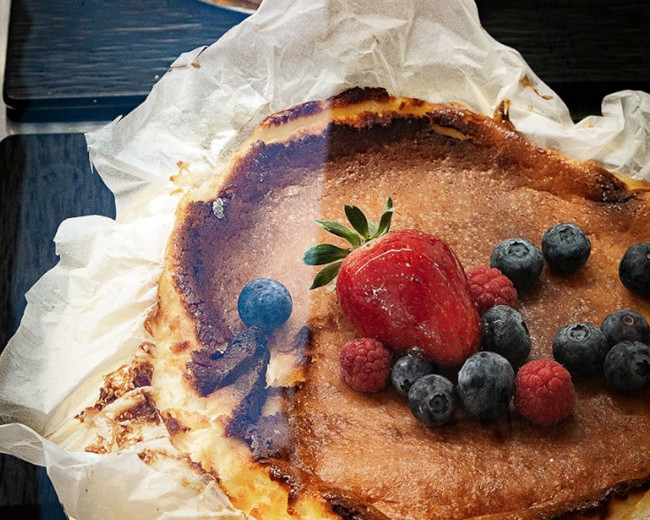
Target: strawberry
(405, 289)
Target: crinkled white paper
(86, 314)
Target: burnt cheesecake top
(462, 177)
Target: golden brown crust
(126, 378)
(276, 165)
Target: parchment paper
(86, 315)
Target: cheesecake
(266, 415)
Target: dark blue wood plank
(81, 59)
(39, 512)
(575, 47)
(583, 49)
(44, 179)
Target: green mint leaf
(340, 231)
(358, 220)
(384, 223)
(324, 254)
(326, 275)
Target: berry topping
(485, 385)
(489, 287)
(634, 269)
(565, 247)
(365, 364)
(581, 348)
(627, 366)
(409, 368)
(544, 392)
(505, 332)
(625, 325)
(518, 259)
(432, 400)
(265, 303)
(403, 289)
(409, 288)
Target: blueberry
(581, 348)
(565, 247)
(264, 302)
(409, 368)
(486, 383)
(505, 332)
(625, 325)
(627, 366)
(634, 269)
(432, 400)
(518, 259)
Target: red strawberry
(405, 289)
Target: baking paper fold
(86, 315)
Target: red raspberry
(490, 287)
(365, 364)
(544, 392)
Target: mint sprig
(362, 232)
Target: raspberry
(490, 287)
(365, 364)
(544, 392)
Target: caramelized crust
(452, 173)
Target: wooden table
(79, 60)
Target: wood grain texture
(80, 59)
(22, 484)
(583, 49)
(575, 40)
(44, 179)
